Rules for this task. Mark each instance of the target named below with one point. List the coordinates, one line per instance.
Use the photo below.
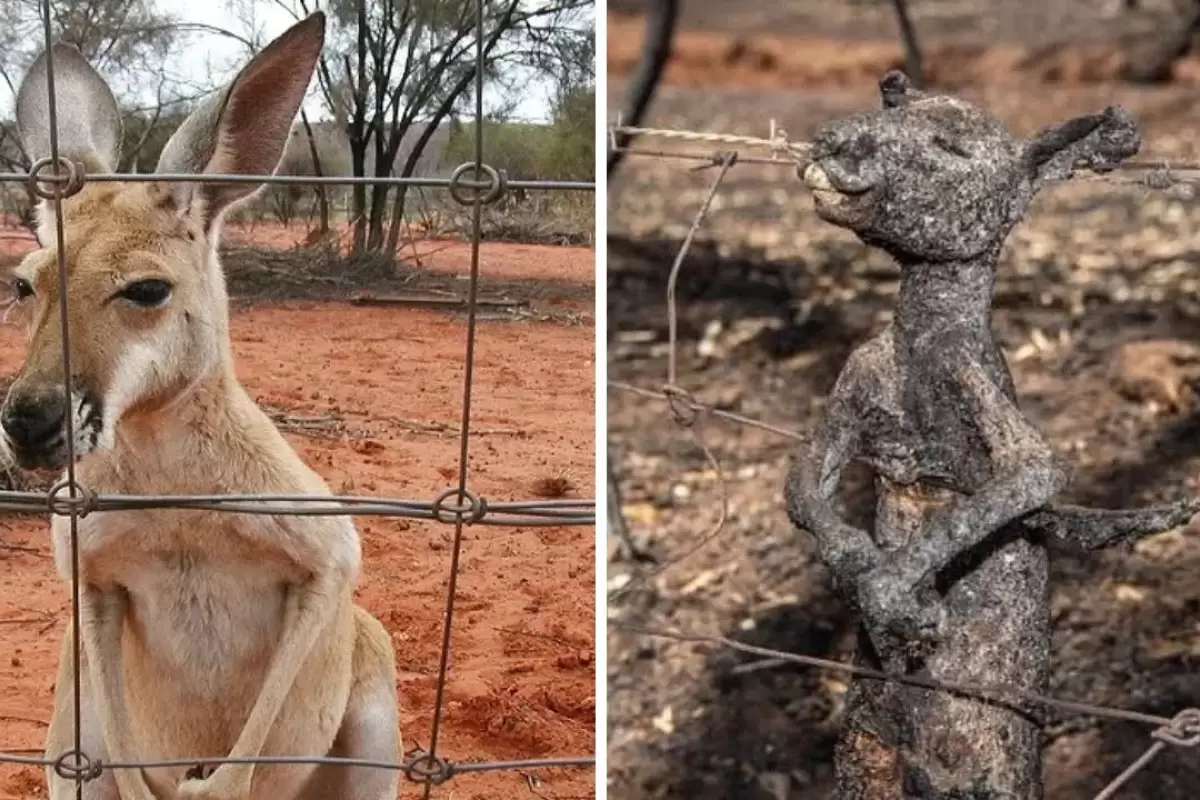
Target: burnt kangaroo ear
(896, 89)
(1096, 142)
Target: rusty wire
(73, 184)
(476, 184)
(468, 374)
(1183, 730)
(1161, 175)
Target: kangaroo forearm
(101, 627)
(309, 608)
(1094, 528)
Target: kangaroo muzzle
(35, 423)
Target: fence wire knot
(684, 408)
(76, 765)
(80, 505)
(469, 507)
(1184, 730)
(66, 180)
(719, 159)
(430, 769)
(489, 191)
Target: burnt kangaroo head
(930, 177)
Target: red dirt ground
(522, 679)
(496, 259)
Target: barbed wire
(687, 401)
(1182, 730)
(777, 141)
(55, 179)
(1161, 175)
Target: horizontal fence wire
(1160, 175)
(687, 414)
(55, 179)
(476, 510)
(412, 766)
(301, 180)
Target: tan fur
(204, 634)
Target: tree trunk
(358, 202)
(410, 166)
(379, 193)
(359, 138)
(321, 189)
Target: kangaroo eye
(149, 293)
(22, 289)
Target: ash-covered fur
(952, 580)
(205, 635)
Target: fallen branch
(431, 301)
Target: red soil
(522, 675)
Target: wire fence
(686, 413)
(474, 185)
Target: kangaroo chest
(920, 425)
(202, 601)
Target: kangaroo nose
(31, 421)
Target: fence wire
(782, 152)
(476, 184)
(1182, 730)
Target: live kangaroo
(205, 635)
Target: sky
(212, 53)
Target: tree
(395, 67)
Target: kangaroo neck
(185, 445)
(945, 297)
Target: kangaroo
(951, 581)
(205, 635)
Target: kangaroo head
(146, 301)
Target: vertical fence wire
(468, 378)
(459, 506)
(69, 416)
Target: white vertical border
(601, 361)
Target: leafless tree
(392, 68)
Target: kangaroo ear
(89, 122)
(896, 89)
(243, 130)
(1097, 142)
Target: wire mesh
(475, 184)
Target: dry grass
(543, 217)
